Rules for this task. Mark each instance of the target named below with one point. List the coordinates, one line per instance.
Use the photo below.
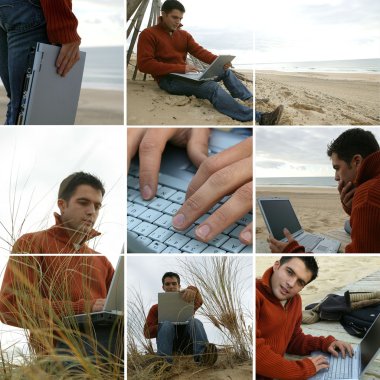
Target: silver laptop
(212, 72)
(278, 213)
(149, 223)
(172, 308)
(48, 98)
(353, 368)
(114, 305)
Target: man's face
(172, 20)
(79, 214)
(170, 284)
(289, 278)
(343, 171)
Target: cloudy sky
(296, 152)
(316, 30)
(221, 26)
(35, 160)
(144, 274)
(101, 22)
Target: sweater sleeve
(61, 22)
(146, 60)
(26, 244)
(151, 323)
(273, 365)
(20, 298)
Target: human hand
(320, 362)
(188, 295)
(67, 57)
(343, 347)
(150, 142)
(227, 66)
(98, 305)
(191, 69)
(346, 192)
(228, 172)
(277, 246)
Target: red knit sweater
(61, 23)
(159, 53)
(365, 213)
(278, 331)
(151, 323)
(37, 291)
(53, 240)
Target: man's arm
(151, 323)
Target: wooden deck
(369, 283)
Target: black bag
(357, 322)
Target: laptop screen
(279, 214)
(370, 343)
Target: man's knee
(210, 89)
(195, 323)
(166, 326)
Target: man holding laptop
(162, 51)
(355, 157)
(278, 323)
(176, 334)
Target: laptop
(149, 223)
(278, 213)
(114, 305)
(212, 72)
(48, 98)
(172, 308)
(353, 368)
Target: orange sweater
(38, 290)
(159, 53)
(61, 23)
(151, 323)
(53, 240)
(365, 213)
(278, 331)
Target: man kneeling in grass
(173, 338)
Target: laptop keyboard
(340, 368)
(151, 221)
(310, 241)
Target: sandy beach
(318, 209)
(96, 107)
(320, 98)
(147, 104)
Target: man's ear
(62, 205)
(276, 265)
(357, 160)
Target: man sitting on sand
(80, 198)
(173, 338)
(163, 48)
(355, 157)
(278, 323)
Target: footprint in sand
(307, 107)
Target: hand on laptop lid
(98, 305)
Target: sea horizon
(322, 182)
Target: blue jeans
(172, 336)
(223, 101)
(258, 116)
(22, 25)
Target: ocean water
(104, 68)
(297, 182)
(341, 66)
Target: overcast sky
(296, 152)
(222, 26)
(101, 22)
(144, 273)
(316, 30)
(35, 160)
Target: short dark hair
(309, 261)
(171, 274)
(351, 142)
(169, 5)
(70, 183)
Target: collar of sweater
(370, 168)
(60, 231)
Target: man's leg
(165, 338)
(235, 86)
(198, 336)
(25, 26)
(210, 90)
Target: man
(38, 292)
(355, 157)
(173, 338)
(278, 323)
(80, 198)
(163, 48)
(23, 23)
